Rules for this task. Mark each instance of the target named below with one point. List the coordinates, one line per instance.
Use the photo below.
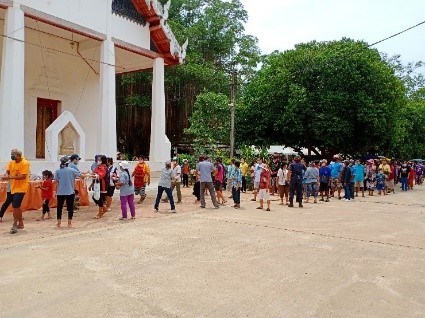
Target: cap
(75, 156)
(174, 159)
(64, 159)
(124, 165)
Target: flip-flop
(39, 220)
(96, 217)
(259, 208)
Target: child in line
(46, 193)
(380, 181)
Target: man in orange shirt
(18, 176)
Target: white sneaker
(347, 200)
(173, 211)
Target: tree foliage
(338, 96)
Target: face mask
(13, 157)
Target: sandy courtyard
(361, 259)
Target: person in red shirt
(102, 176)
(412, 175)
(46, 193)
(263, 194)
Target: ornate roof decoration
(161, 34)
(126, 9)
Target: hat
(64, 160)
(124, 164)
(75, 156)
(174, 159)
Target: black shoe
(203, 207)
(300, 205)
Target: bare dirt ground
(337, 259)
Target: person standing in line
(244, 169)
(65, 177)
(312, 178)
(380, 181)
(257, 174)
(263, 194)
(274, 168)
(185, 173)
(18, 176)
(113, 177)
(236, 179)
(346, 180)
(125, 185)
(371, 176)
(142, 176)
(205, 168)
(101, 175)
(359, 173)
(164, 184)
(46, 193)
(219, 180)
(229, 174)
(325, 177)
(404, 175)
(295, 178)
(282, 183)
(175, 184)
(336, 168)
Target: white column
(160, 147)
(107, 132)
(12, 83)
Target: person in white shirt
(282, 183)
(257, 174)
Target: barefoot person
(18, 176)
(65, 177)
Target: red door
(47, 112)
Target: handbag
(96, 191)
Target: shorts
(380, 186)
(256, 185)
(283, 190)
(110, 191)
(218, 186)
(324, 186)
(140, 190)
(336, 183)
(359, 184)
(263, 194)
(17, 199)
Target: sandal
(259, 208)
(96, 217)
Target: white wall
(93, 14)
(59, 76)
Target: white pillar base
(160, 147)
(12, 83)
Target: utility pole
(232, 112)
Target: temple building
(59, 61)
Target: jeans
(6, 204)
(130, 200)
(169, 195)
(236, 194)
(404, 183)
(211, 190)
(296, 186)
(312, 189)
(347, 191)
(352, 190)
(69, 205)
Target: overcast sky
(280, 24)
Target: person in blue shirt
(380, 181)
(325, 178)
(236, 179)
(65, 177)
(351, 165)
(359, 173)
(336, 169)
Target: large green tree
(338, 96)
(217, 45)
